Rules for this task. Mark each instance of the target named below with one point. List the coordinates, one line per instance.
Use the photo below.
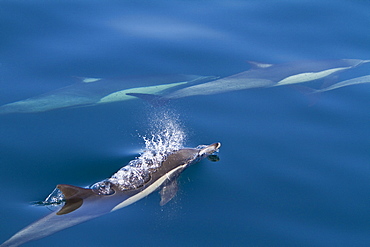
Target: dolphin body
(83, 204)
(92, 91)
(262, 76)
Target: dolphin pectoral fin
(168, 192)
(73, 196)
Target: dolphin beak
(210, 149)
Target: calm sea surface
(292, 172)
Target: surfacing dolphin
(132, 183)
(265, 75)
(92, 91)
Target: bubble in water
(56, 197)
(54, 201)
(102, 188)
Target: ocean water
(294, 168)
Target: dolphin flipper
(168, 192)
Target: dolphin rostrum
(92, 91)
(130, 184)
(262, 76)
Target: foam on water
(166, 137)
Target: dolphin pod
(267, 75)
(93, 91)
(82, 204)
(263, 76)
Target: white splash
(167, 136)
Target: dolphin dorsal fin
(69, 190)
(74, 196)
(257, 65)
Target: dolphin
(92, 91)
(82, 204)
(315, 70)
(263, 76)
(354, 81)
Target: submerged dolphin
(354, 81)
(81, 204)
(91, 91)
(265, 75)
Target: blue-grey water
(293, 171)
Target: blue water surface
(293, 171)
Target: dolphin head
(188, 156)
(210, 149)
